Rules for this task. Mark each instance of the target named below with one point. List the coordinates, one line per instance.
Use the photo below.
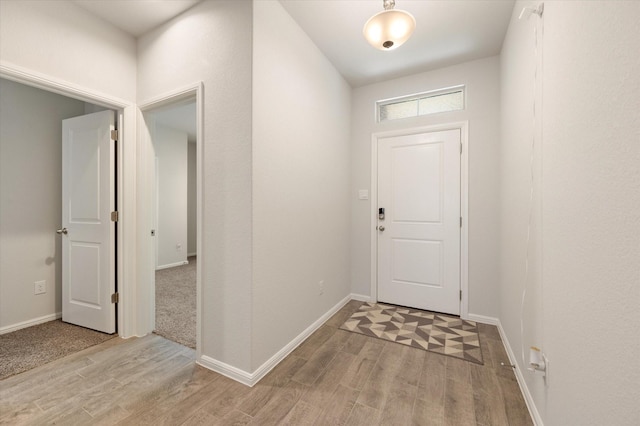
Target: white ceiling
(447, 31)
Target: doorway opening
(429, 210)
(171, 162)
(173, 137)
(32, 225)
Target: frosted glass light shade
(389, 29)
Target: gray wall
(482, 110)
(30, 200)
(171, 179)
(583, 290)
(219, 39)
(301, 116)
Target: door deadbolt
(62, 231)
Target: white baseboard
(360, 297)
(251, 379)
(226, 370)
(29, 323)
(483, 319)
(535, 415)
(172, 265)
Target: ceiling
(447, 32)
(136, 17)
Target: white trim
(61, 87)
(172, 97)
(30, 323)
(464, 212)
(126, 175)
(172, 265)
(361, 297)
(251, 379)
(226, 370)
(482, 319)
(194, 90)
(463, 126)
(531, 405)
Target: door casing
(147, 253)
(126, 172)
(464, 205)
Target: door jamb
(194, 90)
(125, 177)
(463, 126)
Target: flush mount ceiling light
(390, 28)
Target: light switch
(363, 194)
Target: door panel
(419, 248)
(88, 246)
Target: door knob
(62, 231)
(380, 228)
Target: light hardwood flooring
(334, 377)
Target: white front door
(88, 234)
(419, 236)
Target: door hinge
(114, 216)
(460, 294)
(114, 135)
(460, 148)
(115, 298)
(460, 221)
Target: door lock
(62, 231)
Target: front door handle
(62, 231)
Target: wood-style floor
(334, 377)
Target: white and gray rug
(430, 331)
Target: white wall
(171, 154)
(482, 111)
(66, 46)
(61, 40)
(31, 200)
(582, 299)
(192, 200)
(301, 116)
(211, 42)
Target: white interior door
(88, 234)
(419, 237)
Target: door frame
(463, 126)
(147, 273)
(125, 176)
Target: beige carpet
(176, 303)
(31, 347)
(430, 331)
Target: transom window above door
(432, 102)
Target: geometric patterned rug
(433, 332)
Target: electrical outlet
(39, 287)
(320, 287)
